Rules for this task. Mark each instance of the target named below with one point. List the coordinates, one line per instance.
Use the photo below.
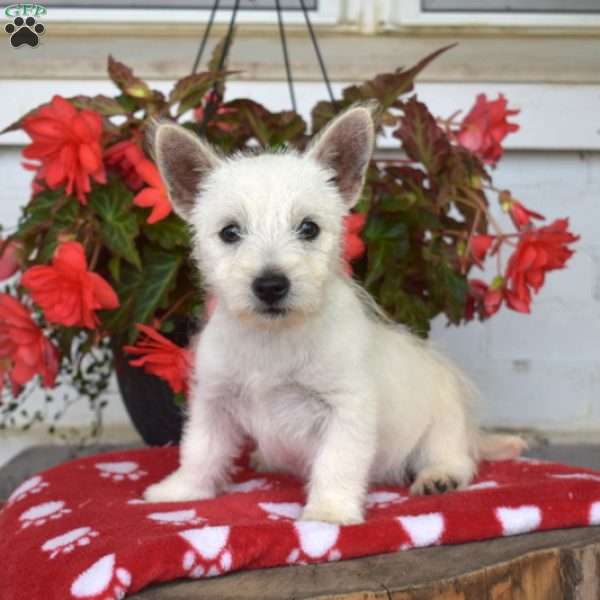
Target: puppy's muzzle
(271, 287)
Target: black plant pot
(149, 401)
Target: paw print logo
(24, 32)
(33, 485)
(69, 541)
(316, 541)
(102, 580)
(120, 471)
(209, 553)
(42, 513)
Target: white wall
(540, 371)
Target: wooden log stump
(554, 565)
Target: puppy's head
(267, 228)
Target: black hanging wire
(315, 44)
(214, 100)
(211, 20)
(286, 59)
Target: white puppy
(295, 355)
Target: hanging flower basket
(101, 256)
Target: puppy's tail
(499, 446)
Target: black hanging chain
(315, 44)
(211, 20)
(214, 100)
(286, 59)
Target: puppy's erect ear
(345, 147)
(183, 160)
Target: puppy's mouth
(273, 312)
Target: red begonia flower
(484, 128)
(9, 259)
(353, 244)
(24, 349)
(123, 157)
(66, 291)
(156, 195)
(539, 251)
(161, 357)
(67, 142)
(522, 216)
(479, 246)
(213, 98)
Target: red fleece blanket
(80, 530)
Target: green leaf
(190, 91)
(159, 275)
(400, 202)
(104, 105)
(118, 223)
(63, 222)
(379, 228)
(39, 211)
(128, 104)
(385, 88)
(114, 266)
(168, 233)
(126, 81)
(120, 320)
(19, 122)
(422, 138)
(451, 289)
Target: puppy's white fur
(329, 391)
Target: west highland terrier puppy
(295, 354)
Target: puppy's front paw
(436, 480)
(332, 514)
(176, 488)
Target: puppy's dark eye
(308, 230)
(230, 234)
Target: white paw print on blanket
(316, 540)
(42, 513)
(177, 517)
(482, 485)
(384, 499)
(582, 476)
(120, 471)
(281, 510)
(69, 541)
(423, 530)
(520, 519)
(252, 485)
(209, 554)
(33, 485)
(595, 513)
(103, 577)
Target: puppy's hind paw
(436, 481)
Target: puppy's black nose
(271, 287)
